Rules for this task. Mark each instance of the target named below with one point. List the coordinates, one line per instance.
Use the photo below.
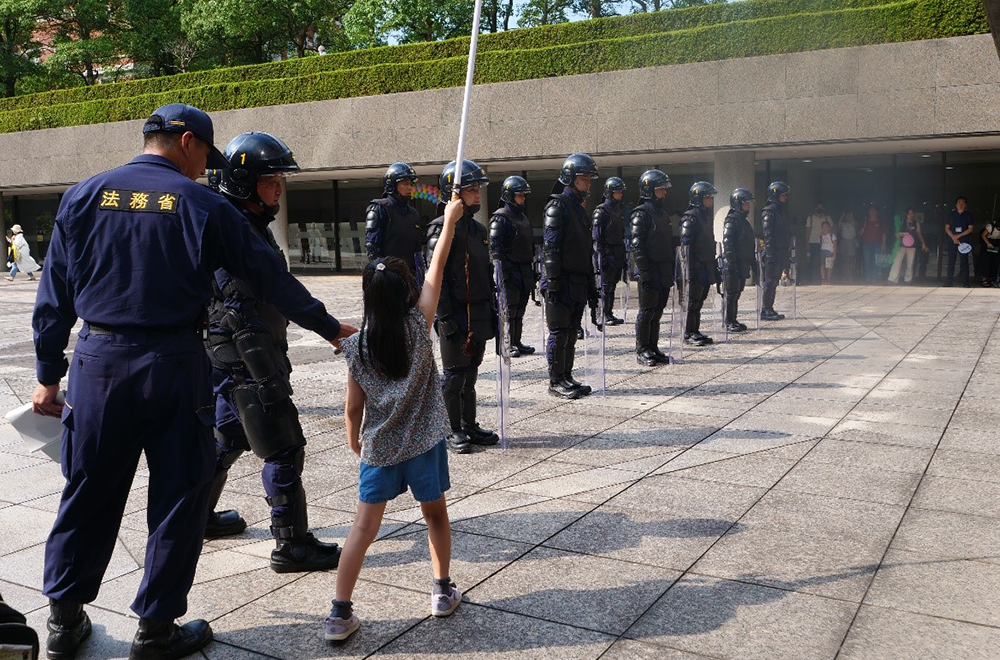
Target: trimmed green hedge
(612, 27)
(900, 21)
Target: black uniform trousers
(130, 392)
(461, 371)
(563, 315)
(735, 282)
(697, 294)
(772, 277)
(654, 291)
(517, 287)
(963, 262)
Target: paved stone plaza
(826, 487)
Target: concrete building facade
(894, 125)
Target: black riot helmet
(251, 156)
(471, 173)
(740, 197)
(396, 173)
(776, 190)
(613, 185)
(214, 179)
(576, 165)
(699, 191)
(650, 181)
(513, 185)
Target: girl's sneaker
(445, 604)
(338, 629)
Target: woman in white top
(22, 256)
(990, 260)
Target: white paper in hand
(39, 432)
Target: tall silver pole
(469, 73)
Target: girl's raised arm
(431, 291)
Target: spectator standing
(873, 242)
(989, 256)
(814, 229)
(21, 255)
(909, 235)
(847, 246)
(827, 251)
(958, 226)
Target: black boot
(459, 443)
(661, 357)
(593, 319)
(165, 640)
(476, 434)
(704, 337)
(611, 319)
(696, 340)
(296, 549)
(20, 639)
(579, 332)
(735, 327)
(584, 390)
(524, 349)
(68, 626)
(769, 314)
(222, 523)
(563, 389)
(647, 358)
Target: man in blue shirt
(132, 254)
(958, 226)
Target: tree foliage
(19, 47)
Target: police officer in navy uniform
(567, 271)
(512, 244)
(248, 347)
(132, 254)
(466, 318)
(609, 245)
(698, 235)
(392, 225)
(652, 243)
(738, 253)
(777, 245)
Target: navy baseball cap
(180, 118)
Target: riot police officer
(738, 254)
(512, 246)
(652, 244)
(698, 236)
(609, 245)
(248, 348)
(466, 319)
(132, 254)
(568, 272)
(392, 225)
(777, 242)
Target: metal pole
(467, 98)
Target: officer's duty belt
(137, 332)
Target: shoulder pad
(553, 212)
(601, 213)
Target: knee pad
(267, 434)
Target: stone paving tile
(700, 499)
(949, 534)
(220, 651)
(975, 440)
(948, 588)
(602, 451)
(533, 523)
(884, 633)
(888, 434)
(805, 543)
(959, 496)
(288, 624)
(22, 598)
(570, 588)
(629, 649)
(965, 465)
(483, 633)
(759, 470)
(24, 527)
(861, 483)
(668, 539)
(723, 618)
(577, 482)
(893, 458)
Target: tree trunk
(595, 8)
(507, 14)
(10, 83)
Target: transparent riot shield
(679, 303)
(793, 275)
(503, 354)
(625, 291)
(543, 334)
(597, 365)
(759, 279)
(723, 291)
